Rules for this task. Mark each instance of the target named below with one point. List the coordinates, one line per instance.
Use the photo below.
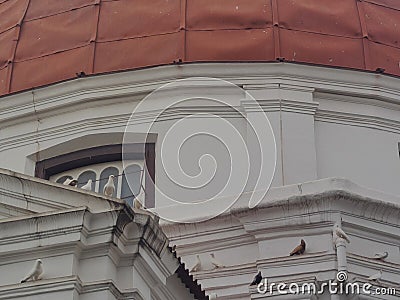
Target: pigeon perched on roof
(137, 204)
(109, 188)
(300, 249)
(70, 182)
(216, 264)
(381, 255)
(338, 232)
(35, 273)
(197, 266)
(376, 276)
(257, 279)
(88, 185)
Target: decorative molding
(306, 259)
(74, 129)
(371, 263)
(69, 283)
(301, 107)
(359, 120)
(113, 233)
(10, 209)
(213, 238)
(48, 286)
(16, 196)
(117, 123)
(308, 108)
(136, 84)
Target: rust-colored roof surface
(46, 41)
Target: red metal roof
(46, 41)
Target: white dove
(109, 188)
(88, 185)
(35, 273)
(376, 276)
(381, 255)
(338, 232)
(197, 266)
(215, 262)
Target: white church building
(231, 131)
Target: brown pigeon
(299, 249)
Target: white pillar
(340, 245)
(341, 254)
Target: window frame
(103, 154)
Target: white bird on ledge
(88, 185)
(109, 188)
(35, 273)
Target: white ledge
(324, 189)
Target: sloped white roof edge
(68, 210)
(296, 193)
(34, 195)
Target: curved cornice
(65, 96)
(331, 194)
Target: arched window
(104, 178)
(103, 161)
(131, 183)
(62, 179)
(84, 178)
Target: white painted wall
(326, 122)
(245, 241)
(364, 155)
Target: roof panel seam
(229, 28)
(384, 44)
(9, 28)
(10, 73)
(364, 30)
(59, 13)
(139, 37)
(183, 25)
(174, 32)
(382, 5)
(280, 27)
(275, 24)
(93, 42)
(52, 53)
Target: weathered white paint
(327, 122)
(261, 239)
(92, 247)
